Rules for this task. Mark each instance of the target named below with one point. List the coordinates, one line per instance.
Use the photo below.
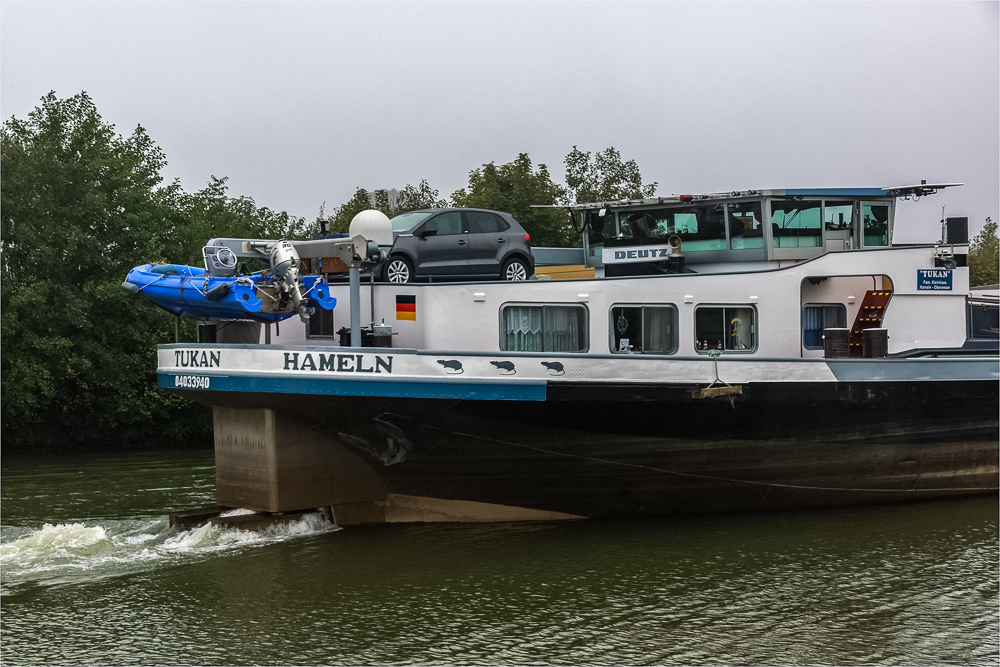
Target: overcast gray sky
(300, 103)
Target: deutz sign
(641, 253)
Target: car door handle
(501, 240)
(462, 242)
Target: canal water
(91, 574)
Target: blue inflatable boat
(188, 291)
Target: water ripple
(107, 582)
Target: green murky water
(91, 574)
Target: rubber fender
(219, 291)
(246, 296)
(323, 298)
(132, 288)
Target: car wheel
(515, 270)
(398, 270)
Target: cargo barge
(731, 352)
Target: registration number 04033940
(191, 381)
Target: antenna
(914, 192)
(944, 228)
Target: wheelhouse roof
(874, 193)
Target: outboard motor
(285, 263)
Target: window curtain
(522, 327)
(542, 328)
(812, 326)
(657, 334)
(834, 316)
(562, 328)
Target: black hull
(600, 450)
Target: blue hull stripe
(403, 389)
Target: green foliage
(80, 205)
(605, 178)
(342, 216)
(513, 188)
(984, 256)
(211, 213)
(390, 202)
(413, 198)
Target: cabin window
(745, 228)
(876, 223)
(726, 328)
(796, 224)
(816, 317)
(543, 328)
(320, 324)
(699, 227)
(644, 329)
(838, 215)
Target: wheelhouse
(755, 227)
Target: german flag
(406, 307)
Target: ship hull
(605, 449)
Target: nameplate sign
(636, 253)
(934, 279)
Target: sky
(300, 103)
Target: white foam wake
(128, 545)
(62, 539)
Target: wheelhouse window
(726, 328)
(599, 227)
(876, 224)
(796, 224)
(700, 227)
(745, 228)
(816, 317)
(644, 329)
(320, 324)
(543, 328)
(838, 216)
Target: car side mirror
(428, 232)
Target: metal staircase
(869, 317)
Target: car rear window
(481, 222)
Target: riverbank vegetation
(984, 256)
(81, 204)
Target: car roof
(455, 208)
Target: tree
(80, 205)
(391, 202)
(605, 178)
(513, 188)
(984, 256)
(412, 198)
(341, 218)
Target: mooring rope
(151, 282)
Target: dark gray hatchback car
(458, 243)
